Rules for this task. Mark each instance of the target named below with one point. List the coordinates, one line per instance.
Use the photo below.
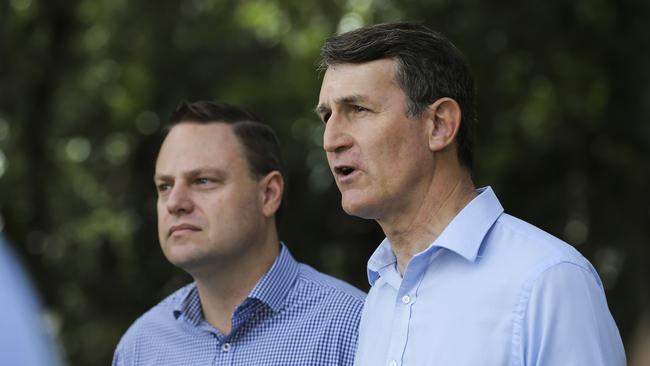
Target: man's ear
(443, 117)
(271, 190)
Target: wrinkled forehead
(369, 84)
(362, 78)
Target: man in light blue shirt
(219, 177)
(456, 281)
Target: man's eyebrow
(348, 99)
(351, 99)
(191, 173)
(158, 177)
(204, 170)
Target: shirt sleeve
(23, 337)
(567, 321)
(118, 360)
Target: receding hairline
(230, 125)
(194, 121)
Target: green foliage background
(85, 85)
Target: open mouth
(344, 171)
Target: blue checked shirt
(295, 315)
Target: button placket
(406, 298)
(400, 329)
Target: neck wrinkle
(414, 232)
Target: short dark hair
(261, 144)
(429, 67)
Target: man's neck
(230, 283)
(412, 230)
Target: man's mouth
(344, 170)
(182, 227)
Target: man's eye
(358, 108)
(325, 117)
(162, 187)
(202, 180)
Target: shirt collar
(272, 289)
(463, 235)
(382, 258)
(276, 284)
(188, 304)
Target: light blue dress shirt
(490, 290)
(23, 338)
(295, 315)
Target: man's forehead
(192, 146)
(198, 136)
(385, 67)
(197, 130)
(355, 80)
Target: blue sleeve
(23, 338)
(122, 356)
(116, 358)
(567, 321)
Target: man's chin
(182, 255)
(196, 267)
(358, 208)
(184, 262)
(198, 262)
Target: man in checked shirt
(220, 184)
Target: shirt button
(406, 299)
(393, 363)
(226, 347)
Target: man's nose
(179, 200)
(335, 136)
